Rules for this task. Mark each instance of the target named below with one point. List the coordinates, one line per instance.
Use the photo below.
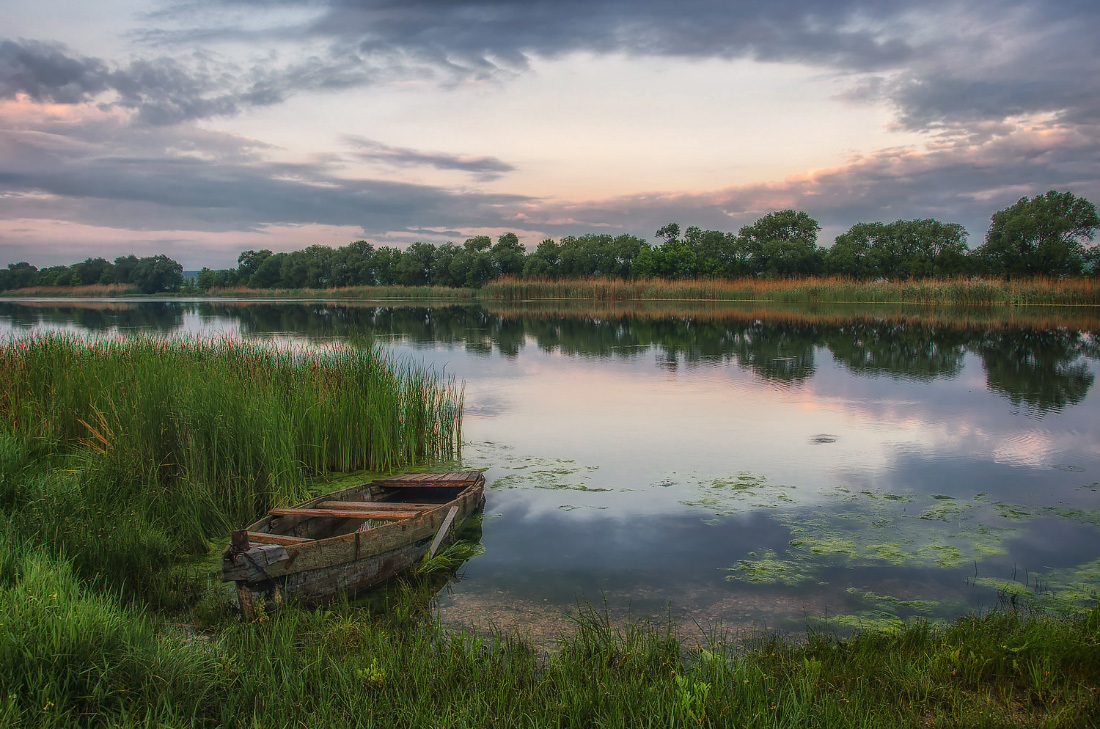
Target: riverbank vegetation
(152, 447)
(958, 291)
(1044, 236)
(117, 457)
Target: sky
(202, 128)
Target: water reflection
(162, 317)
(743, 463)
(1040, 369)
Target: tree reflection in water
(1041, 366)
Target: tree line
(149, 275)
(1046, 235)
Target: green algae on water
(885, 602)
(770, 568)
(732, 495)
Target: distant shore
(1078, 291)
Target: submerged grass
(116, 456)
(962, 291)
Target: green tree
(545, 261)
(124, 269)
(206, 279)
(18, 276)
(902, 249)
(415, 266)
(354, 265)
(508, 255)
(783, 243)
(386, 259)
(850, 254)
(249, 262)
(269, 272)
(94, 270)
(717, 253)
(1044, 235)
(474, 262)
(156, 274)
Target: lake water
(745, 466)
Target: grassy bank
(73, 656)
(370, 293)
(96, 291)
(1046, 317)
(118, 456)
(962, 292)
(367, 293)
(968, 292)
(145, 448)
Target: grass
(90, 290)
(73, 656)
(830, 314)
(441, 293)
(146, 447)
(970, 292)
(116, 456)
(1037, 291)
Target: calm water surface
(767, 468)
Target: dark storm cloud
(161, 90)
(480, 34)
(46, 72)
(939, 63)
(485, 168)
(1032, 59)
(112, 174)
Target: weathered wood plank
(377, 506)
(321, 584)
(442, 533)
(345, 513)
(431, 479)
(426, 484)
(284, 539)
(330, 555)
(327, 553)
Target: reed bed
(1080, 318)
(970, 292)
(155, 445)
(90, 290)
(442, 293)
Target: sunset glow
(202, 129)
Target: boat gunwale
(412, 529)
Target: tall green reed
(961, 291)
(153, 445)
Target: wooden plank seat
(377, 505)
(284, 539)
(407, 480)
(393, 515)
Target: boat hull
(302, 553)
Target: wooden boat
(348, 540)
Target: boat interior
(373, 505)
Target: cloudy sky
(201, 128)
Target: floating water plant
(770, 568)
(730, 495)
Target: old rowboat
(348, 540)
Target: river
(746, 467)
